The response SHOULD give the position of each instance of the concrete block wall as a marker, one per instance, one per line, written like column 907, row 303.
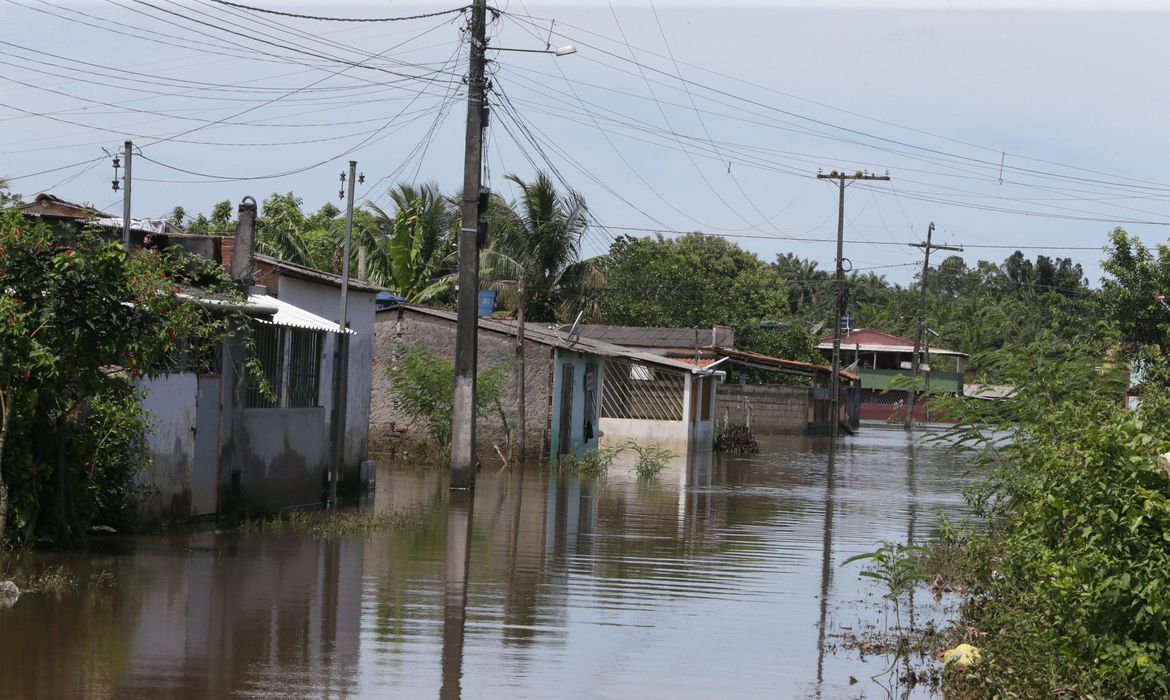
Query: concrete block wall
column 395, row 328
column 776, row 409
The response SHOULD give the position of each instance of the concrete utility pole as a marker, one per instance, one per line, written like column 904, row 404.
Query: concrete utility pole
column 129, row 153
column 521, row 409
column 341, row 348
column 463, row 454
column 835, row 382
column 919, row 358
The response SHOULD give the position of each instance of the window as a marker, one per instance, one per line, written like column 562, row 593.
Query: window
column 267, row 340
column 304, row 367
column 290, row 359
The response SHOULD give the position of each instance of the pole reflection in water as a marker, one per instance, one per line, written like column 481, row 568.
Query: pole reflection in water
column 459, row 509
column 912, row 506
column 826, row 562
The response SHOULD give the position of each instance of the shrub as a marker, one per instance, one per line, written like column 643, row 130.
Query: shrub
column 651, row 460
column 592, row 464
column 422, row 382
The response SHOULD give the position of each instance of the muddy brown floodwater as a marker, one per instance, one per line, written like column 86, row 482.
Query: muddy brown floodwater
column 710, row 582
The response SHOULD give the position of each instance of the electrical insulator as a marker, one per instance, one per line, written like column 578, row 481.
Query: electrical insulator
column 361, row 178
column 115, row 183
column 341, row 194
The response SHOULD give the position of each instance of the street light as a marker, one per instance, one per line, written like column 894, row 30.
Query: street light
column 559, row 51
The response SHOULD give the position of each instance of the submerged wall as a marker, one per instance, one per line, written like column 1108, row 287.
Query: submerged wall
column 771, row 409
column 283, row 456
column 171, row 401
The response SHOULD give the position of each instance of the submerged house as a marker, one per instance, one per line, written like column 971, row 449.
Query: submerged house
column 878, row 357
column 771, row 395
column 217, row 440
column 579, row 393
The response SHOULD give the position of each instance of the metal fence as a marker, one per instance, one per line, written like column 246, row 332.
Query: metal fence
column 642, row 392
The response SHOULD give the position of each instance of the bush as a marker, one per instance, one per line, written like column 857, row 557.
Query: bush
column 423, row 384
column 651, row 460
column 1074, row 561
column 592, row 464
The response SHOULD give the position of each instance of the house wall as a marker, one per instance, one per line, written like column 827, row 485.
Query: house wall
column 283, row 453
column 775, row 409
column 171, row 401
column 671, row 435
column 395, row 327
column 324, row 300
column 580, row 442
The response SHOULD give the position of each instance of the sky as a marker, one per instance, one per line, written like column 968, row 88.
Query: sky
column 1041, row 129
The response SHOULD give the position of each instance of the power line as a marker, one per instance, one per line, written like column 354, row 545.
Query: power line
column 403, row 18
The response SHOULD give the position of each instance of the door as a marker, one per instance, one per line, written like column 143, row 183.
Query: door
column 565, row 443
column 205, row 465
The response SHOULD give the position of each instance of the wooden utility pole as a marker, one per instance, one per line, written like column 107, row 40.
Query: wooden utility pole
column 919, row 358
column 835, row 382
column 463, row 454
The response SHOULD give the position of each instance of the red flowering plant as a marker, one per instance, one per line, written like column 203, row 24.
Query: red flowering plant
column 81, row 318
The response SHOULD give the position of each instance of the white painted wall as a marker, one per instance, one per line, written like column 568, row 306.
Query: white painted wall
column 324, row 300
column 671, row 435
column 171, row 402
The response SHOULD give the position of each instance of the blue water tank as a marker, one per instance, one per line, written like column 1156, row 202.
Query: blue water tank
column 487, row 302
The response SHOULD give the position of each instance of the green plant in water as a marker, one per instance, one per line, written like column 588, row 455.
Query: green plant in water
column 651, row 460
column 592, row 464
column 322, row 524
column 898, row 566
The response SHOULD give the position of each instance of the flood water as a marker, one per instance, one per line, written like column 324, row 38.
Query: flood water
column 538, row 586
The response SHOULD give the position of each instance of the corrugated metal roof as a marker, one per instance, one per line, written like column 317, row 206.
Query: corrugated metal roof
column 292, row 316
column 543, row 335
column 659, row 337
column 872, row 340
column 778, row 362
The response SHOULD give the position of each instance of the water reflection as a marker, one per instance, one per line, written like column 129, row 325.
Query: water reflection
column 826, row 565
column 715, row 580
column 459, row 510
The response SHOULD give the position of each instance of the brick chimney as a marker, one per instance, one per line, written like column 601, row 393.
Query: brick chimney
column 225, row 252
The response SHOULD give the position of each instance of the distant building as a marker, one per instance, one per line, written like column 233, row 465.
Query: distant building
column 759, row 391
column 878, row 357
column 579, row 393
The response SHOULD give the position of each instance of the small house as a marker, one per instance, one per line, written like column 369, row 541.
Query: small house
column 578, row 393
column 878, row 357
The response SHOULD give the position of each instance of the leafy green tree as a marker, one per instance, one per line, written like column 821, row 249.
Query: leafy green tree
column 7, row 197
column 790, row 342
column 284, row 231
column 81, row 319
column 694, row 280
column 1136, row 277
column 220, row 223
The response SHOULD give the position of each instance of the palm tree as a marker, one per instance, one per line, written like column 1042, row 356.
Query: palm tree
column 413, row 248
column 542, row 233
column 806, row 284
